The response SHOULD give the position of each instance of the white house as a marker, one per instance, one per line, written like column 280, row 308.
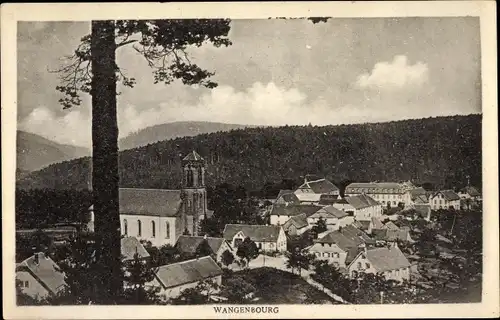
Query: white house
column 172, row 279
column 190, row 245
column 312, row 189
column 267, row 238
column 389, row 261
column 444, row 199
column 40, row 277
column 364, row 207
column 387, row 193
column 333, row 217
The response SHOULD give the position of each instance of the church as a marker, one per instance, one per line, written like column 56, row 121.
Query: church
column 161, row 216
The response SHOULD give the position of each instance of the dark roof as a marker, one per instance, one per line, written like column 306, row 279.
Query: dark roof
column 299, row 221
column 176, row 274
column 293, row 210
column 391, row 235
column 329, row 199
column 329, row 212
column 150, row 202
column 339, row 239
column 414, row 193
column 362, row 224
column 385, row 259
column 288, row 196
column 361, row 201
column 391, row 226
column 320, row 186
column 189, row 244
column 356, row 234
column 130, row 246
column 193, row 156
column 46, row 272
column 258, row 233
column 449, row 195
column 422, row 208
column 471, row 191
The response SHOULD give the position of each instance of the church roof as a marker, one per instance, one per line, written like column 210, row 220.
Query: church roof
column 193, row 156
column 150, row 202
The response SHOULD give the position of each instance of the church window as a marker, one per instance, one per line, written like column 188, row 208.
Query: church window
column 125, row 227
column 153, row 229
column 139, row 227
column 167, row 230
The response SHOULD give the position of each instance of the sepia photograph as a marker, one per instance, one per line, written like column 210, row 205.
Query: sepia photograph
column 249, row 165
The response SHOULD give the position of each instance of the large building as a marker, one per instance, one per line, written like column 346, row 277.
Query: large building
column 445, row 199
column 267, row 238
column 312, row 189
column 387, row 193
column 362, row 206
column 161, row 216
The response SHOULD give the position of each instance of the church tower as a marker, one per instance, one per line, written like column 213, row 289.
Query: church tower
column 194, row 194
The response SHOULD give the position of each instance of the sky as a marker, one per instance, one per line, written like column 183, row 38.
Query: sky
column 276, row 72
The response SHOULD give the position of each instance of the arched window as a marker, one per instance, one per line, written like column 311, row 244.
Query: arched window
column 125, row 227
column 139, row 228
column 167, row 230
column 153, row 229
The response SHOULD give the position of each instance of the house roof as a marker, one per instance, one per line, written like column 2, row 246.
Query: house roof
column 299, row 221
column 308, row 197
column 375, row 187
column 189, row 244
column 361, row 201
column 376, row 223
column 329, row 199
column 46, row 272
column 258, row 233
column 339, row 239
column 391, row 235
column 449, row 195
column 391, row 226
column 150, row 202
column 329, row 212
column 362, row 224
column 414, row 193
column 193, row 156
column 356, row 234
column 472, row 191
column 385, row 259
column 288, row 196
column 420, row 199
column 130, row 246
column 293, row 210
column 320, row 186
column 422, row 208
column 176, row 274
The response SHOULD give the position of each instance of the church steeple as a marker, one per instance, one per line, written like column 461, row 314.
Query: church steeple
column 193, row 171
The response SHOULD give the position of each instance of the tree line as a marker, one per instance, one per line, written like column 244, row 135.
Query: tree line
column 442, row 151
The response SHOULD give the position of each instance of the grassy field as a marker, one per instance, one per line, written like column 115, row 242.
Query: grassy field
column 279, row 287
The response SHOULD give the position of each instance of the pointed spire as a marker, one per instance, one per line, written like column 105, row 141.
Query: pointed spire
column 193, row 156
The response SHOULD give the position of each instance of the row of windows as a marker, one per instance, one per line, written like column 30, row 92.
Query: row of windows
column 360, row 266
column 24, row 284
column 328, row 254
column 153, row 229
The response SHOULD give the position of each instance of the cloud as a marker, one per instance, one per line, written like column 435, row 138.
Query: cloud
column 394, row 75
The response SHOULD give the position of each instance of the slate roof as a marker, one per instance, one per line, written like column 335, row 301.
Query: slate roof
column 449, row 195
column 176, row 274
column 471, row 191
column 320, row 186
column 385, row 259
column 258, row 233
column 375, row 187
column 293, row 210
column 150, row 202
column 329, row 212
column 299, row 221
column 189, row 244
column 361, row 201
column 46, row 272
column 130, row 246
column 193, row 156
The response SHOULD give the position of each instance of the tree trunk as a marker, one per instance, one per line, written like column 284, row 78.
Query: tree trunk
column 105, row 160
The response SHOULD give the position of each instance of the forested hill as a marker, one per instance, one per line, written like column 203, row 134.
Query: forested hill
column 442, row 151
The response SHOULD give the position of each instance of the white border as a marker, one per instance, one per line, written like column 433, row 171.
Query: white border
column 11, row 13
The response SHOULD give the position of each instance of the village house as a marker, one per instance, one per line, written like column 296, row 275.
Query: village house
column 338, row 248
column 333, row 217
column 313, row 187
column 469, row 193
column 390, row 232
column 387, row 193
column 189, row 245
column 364, row 207
column 282, row 213
column 39, row 277
column 369, row 225
column 172, row 279
column 287, row 197
column 161, row 216
column 296, row 225
column 267, row 238
column 444, row 199
column 389, row 261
